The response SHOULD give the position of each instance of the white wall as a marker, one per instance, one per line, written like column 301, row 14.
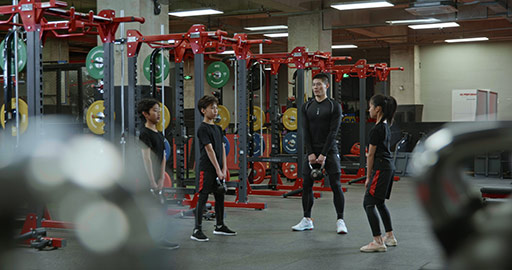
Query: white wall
column 479, row 65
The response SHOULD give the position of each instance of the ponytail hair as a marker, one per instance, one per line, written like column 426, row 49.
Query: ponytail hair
column 388, row 105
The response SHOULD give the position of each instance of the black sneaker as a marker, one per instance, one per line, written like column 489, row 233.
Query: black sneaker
column 198, row 235
column 164, row 244
column 223, row 230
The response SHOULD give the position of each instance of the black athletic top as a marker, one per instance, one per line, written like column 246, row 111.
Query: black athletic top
column 380, row 136
column 321, row 123
column 155, row 141
column 209, row 134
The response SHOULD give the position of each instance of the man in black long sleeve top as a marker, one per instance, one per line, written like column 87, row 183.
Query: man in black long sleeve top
column 322, row 118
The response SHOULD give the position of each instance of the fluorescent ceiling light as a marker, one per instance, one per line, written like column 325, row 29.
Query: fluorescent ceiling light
column 268, row 27
column 466, row 39
column 227, row 52
column 429, row 20
column 434, row 25
column 275, row 35
column 348, row 46
column 197, row 12
column 361, row 5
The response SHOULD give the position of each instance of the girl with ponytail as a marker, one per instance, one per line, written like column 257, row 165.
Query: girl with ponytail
column 379, row 174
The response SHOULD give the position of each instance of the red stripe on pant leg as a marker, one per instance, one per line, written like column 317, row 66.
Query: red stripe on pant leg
column 201, row 180
column 374, row 182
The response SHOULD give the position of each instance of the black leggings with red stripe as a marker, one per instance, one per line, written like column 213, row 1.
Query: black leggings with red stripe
column 369, row 204
column 207, row 185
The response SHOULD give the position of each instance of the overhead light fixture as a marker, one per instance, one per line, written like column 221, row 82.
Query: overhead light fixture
column 466, row 39
column 228, row 52
column 429, row 20
column 196, row 12
column 434, row 25
column 276, row 35
column 268, row 27
column 361, row 5
column 348, row 46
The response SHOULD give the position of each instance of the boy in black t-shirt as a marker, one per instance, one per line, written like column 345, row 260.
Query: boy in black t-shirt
column 379, row 174
column 153, row 156
column 212, row 167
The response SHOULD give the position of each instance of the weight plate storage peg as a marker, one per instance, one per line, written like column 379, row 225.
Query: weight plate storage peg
column 23, row 115
column 290, row 119
column 163, row 115
column 217, row 74
column 223, row 117
column 290, row 143
column 22, row 55
column 259, row 172
column 259, row 118
column 256, row 144
column 290, row 170
column 94, row 62
column 158, row 75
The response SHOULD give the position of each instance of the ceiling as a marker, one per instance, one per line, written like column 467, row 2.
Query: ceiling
column 365, row 28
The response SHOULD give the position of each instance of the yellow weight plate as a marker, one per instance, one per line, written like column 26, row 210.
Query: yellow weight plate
column 258, row 122
column 290, row 119
column 223, row 117
column 23, row 115
column 167, row 117
column 95, row 116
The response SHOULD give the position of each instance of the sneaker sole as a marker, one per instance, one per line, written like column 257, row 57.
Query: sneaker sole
column 200, row 240
column 391, row 244
column 224, row 233
column 374, row 250
column 342, row 232
column 301, row 230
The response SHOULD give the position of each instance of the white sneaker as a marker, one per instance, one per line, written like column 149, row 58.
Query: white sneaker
column 374, row 247
column 390, row 242
column 304, row 224
column 341, row 228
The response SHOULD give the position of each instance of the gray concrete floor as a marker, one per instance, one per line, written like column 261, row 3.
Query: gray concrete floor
column 266, row 241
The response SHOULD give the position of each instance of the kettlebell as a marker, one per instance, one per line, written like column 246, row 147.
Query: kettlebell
column 221, row 186
column 316, row 174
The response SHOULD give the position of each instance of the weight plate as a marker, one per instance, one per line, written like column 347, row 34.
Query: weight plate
column 290, row 143
column 223, row 117
column 290, row 170
column 22, row 55
column 147, row 68
column 23, row 112
column 167, row 117
column 226, row 145
column 290, row 119
column 217, row 74
column 256, row 145
column 94, row 62
column 259, row 172
column 167, row 149
column 258, row 122
column 94, row 117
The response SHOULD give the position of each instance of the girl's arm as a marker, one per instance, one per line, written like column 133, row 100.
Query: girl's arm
column 369, row 163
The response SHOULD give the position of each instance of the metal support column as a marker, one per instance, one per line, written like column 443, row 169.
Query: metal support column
column 35, row 80
column 337, row 95
column 274, row 127
column 242, row 129
column 299, row 83
column 108, row 91
column 179, row 125
column 199, row 93
column 133, row 97
column 362, row 122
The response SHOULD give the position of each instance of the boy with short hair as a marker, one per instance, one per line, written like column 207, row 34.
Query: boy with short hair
column 212, row 166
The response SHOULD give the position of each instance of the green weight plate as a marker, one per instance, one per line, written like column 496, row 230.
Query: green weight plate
column 94, row 62
column 22, row 55
column 217, row 74
column 158, row 78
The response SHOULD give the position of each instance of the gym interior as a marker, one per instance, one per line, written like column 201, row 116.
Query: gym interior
column 70, row 156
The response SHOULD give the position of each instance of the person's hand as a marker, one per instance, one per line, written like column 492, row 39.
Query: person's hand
column 160, row 184
column 225, row 172
column 321, row 159
column 366, row 182
column 154, row 186
column 220, row 175
column 312, row 158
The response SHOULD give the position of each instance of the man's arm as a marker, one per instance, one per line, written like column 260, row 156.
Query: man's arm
column 307, row 136
column 146, row 157
column 333, row 129
column 211, row 155
column 224, row 161
column 161, row 180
